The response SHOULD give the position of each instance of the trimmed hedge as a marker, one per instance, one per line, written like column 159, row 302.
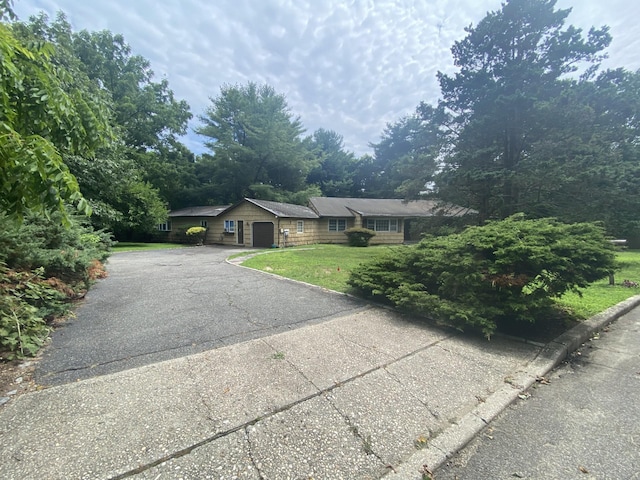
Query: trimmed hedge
column 359, row 237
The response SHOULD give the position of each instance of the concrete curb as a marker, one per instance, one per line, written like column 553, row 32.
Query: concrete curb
column 456, row 437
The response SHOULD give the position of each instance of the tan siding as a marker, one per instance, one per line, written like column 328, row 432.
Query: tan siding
column 325, row 236
column 387, row 238
column 248, row 213
column 181, row 224
column 307, row 237
column 315, row 230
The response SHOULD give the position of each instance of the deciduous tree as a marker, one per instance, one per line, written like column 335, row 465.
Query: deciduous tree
column 42, row 116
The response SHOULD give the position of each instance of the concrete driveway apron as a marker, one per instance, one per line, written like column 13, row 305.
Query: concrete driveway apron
column 166, row 304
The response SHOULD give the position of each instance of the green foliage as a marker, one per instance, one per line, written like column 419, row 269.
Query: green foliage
column 359, row 237
column 196, row 234
column 405, row 158
column 256, row 143
column 510, row 89
column 67, row 253
column 502, row 272
column 40, row 117
column 43, row 266
column 335, row 167
column 27, row 303
column 132, row 178
column 146, row 111
column 193, row 231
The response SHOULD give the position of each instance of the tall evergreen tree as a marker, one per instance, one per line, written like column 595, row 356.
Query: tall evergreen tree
column 335, row 169
column 256, row 144
column 510, row 66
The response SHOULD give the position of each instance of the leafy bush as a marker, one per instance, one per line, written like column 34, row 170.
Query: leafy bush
column 359, row 237
column 44, row 265
column 27, row 303
column 506, row 271
column 196, row 234
column 65, row 252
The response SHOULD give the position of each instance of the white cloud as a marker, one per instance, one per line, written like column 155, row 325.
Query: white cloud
column 346, row 66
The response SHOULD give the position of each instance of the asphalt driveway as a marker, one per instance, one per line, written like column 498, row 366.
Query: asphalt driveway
column 166, row 304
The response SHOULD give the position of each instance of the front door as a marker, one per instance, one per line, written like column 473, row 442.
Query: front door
column 240, row 232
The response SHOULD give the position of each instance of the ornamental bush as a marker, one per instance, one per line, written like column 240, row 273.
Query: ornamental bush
column 196, row 234
column 65, row 252
column 44, row 266
column 505, row 271
column 359, row 237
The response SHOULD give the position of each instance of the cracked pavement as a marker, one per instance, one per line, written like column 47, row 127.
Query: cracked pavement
column 580, row 422
column 166, row 304
column 331, row 389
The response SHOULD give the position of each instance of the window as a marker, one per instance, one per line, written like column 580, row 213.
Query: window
column 165, row 227
column 203, row 223
column 382, row 224
column 337, row 224
column 229, row 226
column 300, row 226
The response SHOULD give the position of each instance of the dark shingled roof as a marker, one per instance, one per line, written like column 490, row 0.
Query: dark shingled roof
column 284, row 210
column 338, row 207
column 198, row 211
column 383, row 207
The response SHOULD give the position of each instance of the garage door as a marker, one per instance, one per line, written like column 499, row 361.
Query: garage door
column 262, row 234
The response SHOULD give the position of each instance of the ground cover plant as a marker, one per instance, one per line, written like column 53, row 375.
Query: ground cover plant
column 289, row 263
column 330, row 265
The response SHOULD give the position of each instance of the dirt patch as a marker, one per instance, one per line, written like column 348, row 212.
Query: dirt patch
column 16, row 378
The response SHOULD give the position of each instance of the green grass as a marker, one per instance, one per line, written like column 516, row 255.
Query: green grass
column 600, row 295
column 137, row 247
column 324, row 265
column 329, row 266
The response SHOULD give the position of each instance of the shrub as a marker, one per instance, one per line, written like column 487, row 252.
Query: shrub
column 506, row 271
column 359, row 237
column 43, row 266
column 196, row 234
column 27, row 303
column 65, row 252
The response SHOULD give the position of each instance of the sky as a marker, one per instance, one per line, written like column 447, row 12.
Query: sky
column 351, row 66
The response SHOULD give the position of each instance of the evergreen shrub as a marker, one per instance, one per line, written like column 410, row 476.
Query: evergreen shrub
column 504, row 271
column 359, row 237
column 44, row 265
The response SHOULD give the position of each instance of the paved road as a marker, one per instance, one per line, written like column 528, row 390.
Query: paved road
column 170, row 303
column 585, row 424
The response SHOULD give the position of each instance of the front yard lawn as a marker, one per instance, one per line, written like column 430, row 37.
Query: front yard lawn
column 329, row 266
column 323, row 265
column 600, row 295
column 138, row 246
